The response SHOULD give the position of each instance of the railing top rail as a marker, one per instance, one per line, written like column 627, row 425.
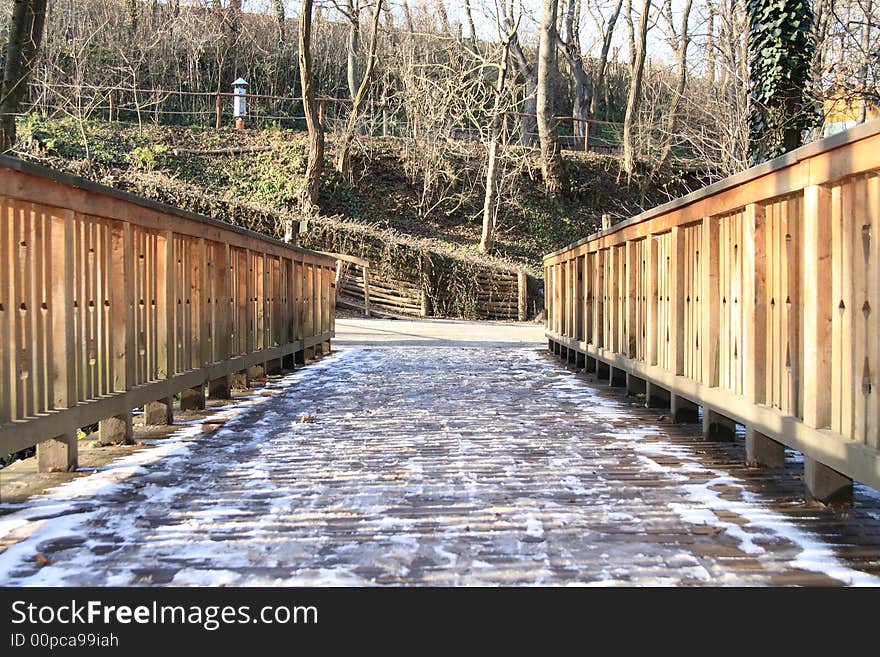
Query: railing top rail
column 29, row 168
column 858, row 133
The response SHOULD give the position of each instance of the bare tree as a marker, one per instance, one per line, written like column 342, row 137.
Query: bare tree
column 25, row 35
column 679, row 41
column 635, row 90
column 606, row 29
column 580, row 79
column 490, row 205
column 278, row 8
column 552, row 166
column 343, row 158
column 351, row 9
column 310, row 105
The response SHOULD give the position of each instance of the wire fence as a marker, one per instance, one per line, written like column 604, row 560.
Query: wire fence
column 215, row 109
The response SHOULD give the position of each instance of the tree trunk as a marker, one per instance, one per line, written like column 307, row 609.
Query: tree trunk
column 444, row 17
column 310, row 105
column 580, row 81
column 343, row 159
column 865, row 67
column 602, row 64
column 354, row 44
column 472, row 31
column 490, row 199
column 528, row 124
column 278, row 6
column 25, row 35
column 672, row 111
column 635, row 91
column 711, row 59
column 552, row 166
column 408, row 18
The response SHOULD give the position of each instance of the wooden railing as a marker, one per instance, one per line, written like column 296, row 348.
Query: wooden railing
column 111, row 302
column 756, row 298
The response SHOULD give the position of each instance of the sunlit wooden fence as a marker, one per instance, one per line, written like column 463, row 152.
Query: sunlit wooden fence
column 111, row 302
column 756, row 298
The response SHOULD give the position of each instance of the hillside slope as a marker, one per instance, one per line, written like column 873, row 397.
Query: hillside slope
column 432, row 192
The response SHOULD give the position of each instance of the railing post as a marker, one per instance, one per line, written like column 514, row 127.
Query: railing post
column 709, row 302
column 522, row 296
column 676, row 328
column 632, row 298
column 599, row 298
column 571, row 296
column 754, row 304
column 194, row 398
column 161, row 411
column 218, row 110
column 614, row 299
column 118, row 428
column 220, row 388
column 60, row 452
column 817, row 305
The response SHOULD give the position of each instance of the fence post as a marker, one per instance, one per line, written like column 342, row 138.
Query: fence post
column 586, row 136
column 161, row 411
column 111, row 100
column 366, row 273
column 522, row 306
column 60, row 452
column 754, row 303
column 817, row 305
column 218, row 107
column 118, row 428
column 676, row 328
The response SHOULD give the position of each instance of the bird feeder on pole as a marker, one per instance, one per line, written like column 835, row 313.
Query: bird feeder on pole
column 239, row 102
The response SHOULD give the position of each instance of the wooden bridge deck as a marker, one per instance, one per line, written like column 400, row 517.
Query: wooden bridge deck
column 442, row 461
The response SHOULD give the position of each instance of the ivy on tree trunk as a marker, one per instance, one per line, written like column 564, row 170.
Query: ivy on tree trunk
column 781, row 49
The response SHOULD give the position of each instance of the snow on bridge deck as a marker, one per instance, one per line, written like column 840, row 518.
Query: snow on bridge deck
column 443, row 453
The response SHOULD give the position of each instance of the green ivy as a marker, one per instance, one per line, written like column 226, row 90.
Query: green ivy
column 781, row 47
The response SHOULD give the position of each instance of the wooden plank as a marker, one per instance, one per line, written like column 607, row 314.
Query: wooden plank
column 676, row 327
column 651, row 319
column 818, row 304
column 711, row 301
column 61, row 311
column 121, row 302
column 861, row 259
column 165, row 305
column 250, row 305
column 631, row 298
column 202, row 269
column 299, row 278
column 847, row 308
column 791, row 247
column 40, row 295
column 872, row 221
column 6, row 313
column 20, row 347
column 522, row 296
column 754, row 308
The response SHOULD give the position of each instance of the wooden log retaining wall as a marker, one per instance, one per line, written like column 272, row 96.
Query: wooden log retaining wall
column 111, row 302
column 756, row 298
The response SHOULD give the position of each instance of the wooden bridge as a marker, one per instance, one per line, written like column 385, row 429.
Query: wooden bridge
column 439, row 452
column 752, row 302
column 110, row 302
